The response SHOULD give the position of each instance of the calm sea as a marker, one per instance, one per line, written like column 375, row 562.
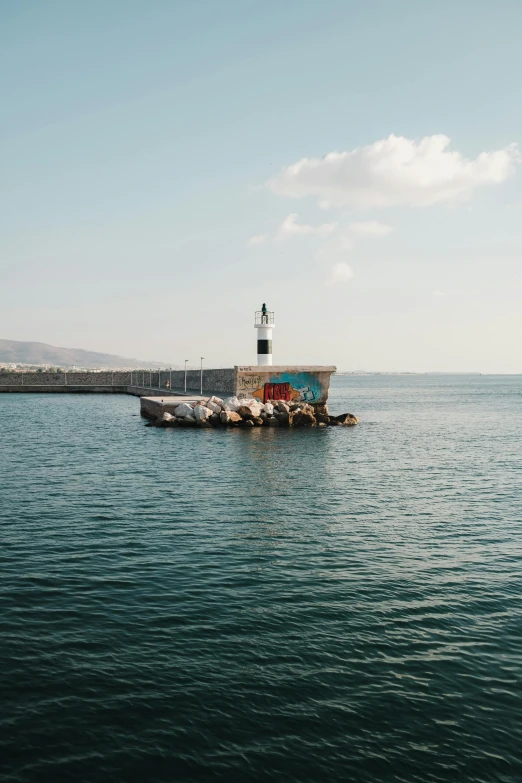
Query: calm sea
column 264, row 605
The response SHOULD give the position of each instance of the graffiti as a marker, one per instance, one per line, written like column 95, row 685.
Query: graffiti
column 276, row 391
column 284, row 392
column 250, row 382
column 287, row 386
column 306, row 394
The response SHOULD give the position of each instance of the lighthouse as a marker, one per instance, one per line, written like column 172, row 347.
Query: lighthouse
column 264, row 323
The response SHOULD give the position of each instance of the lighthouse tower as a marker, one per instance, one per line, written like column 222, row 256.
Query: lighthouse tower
column 264, row 324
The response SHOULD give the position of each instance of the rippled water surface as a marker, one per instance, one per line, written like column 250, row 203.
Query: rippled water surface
column 264, row 605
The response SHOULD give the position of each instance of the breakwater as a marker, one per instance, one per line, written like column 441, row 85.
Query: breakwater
column 286, row 383
column 239, row 412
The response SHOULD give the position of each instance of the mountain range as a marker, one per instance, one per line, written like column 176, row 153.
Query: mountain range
column 17, row 352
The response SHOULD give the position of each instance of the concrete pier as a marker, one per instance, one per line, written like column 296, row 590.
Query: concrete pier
column 306, row 383
column 136, row 391
column 135, row 382
column 154, row 407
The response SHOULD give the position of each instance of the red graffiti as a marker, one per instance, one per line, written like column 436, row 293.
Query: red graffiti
column 276, row 391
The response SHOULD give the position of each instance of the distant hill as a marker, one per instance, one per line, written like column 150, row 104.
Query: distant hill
column 16, row 352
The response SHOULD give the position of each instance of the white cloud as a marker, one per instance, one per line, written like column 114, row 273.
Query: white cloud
column 340, row 273
column 361, row 229
column 394, row 171
column 369, row 228
column 258, row 239
column 290, row 227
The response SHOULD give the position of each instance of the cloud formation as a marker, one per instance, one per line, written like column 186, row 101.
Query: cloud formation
column 258, row 239
column 394, row 171
column 290, row 227
column 361, row 229
column 369, row 228
column 340, row 273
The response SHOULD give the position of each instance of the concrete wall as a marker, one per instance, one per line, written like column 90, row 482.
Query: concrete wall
column 307, row 383
column 219, row 381
column 116, row 378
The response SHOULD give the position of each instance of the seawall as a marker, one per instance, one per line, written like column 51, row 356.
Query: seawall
column 137, row 382
column 288, row 383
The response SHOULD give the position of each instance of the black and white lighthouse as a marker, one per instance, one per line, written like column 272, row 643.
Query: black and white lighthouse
column 264, row 324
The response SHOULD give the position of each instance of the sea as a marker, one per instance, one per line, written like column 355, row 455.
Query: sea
column 257, row 605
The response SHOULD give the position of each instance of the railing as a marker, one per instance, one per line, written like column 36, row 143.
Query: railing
column 264, row 318
column 161, row 380
column 151, row 379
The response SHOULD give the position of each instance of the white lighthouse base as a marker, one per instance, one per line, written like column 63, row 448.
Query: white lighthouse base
column 264, row 334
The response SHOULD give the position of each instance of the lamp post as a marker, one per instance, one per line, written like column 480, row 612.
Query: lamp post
column 201, row 386
column 186, row 360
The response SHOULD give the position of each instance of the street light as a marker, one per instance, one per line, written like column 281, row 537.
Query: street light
column 201, row 391
column 186, row 360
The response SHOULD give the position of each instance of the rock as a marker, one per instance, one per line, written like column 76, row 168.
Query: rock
column 283, row 419
column 249, row 401
column 322, row 418
column 348, row 419
column 202, row 413
column 204, row 423
column 172, row 422
column 333, row 422
column 214, row 420
column 246, row 423
column 232, row 404
column 187, row 421
column 166, row 418
column 253, row 405
column 182, row 410
column 215, row 404
column 272, row 422
column 263, row 415
column 321, row 424
column 282, row 407
column 258, row 421
column 268, row 408
column 229, row 417
column 294, row 408
column 301, row 419
column 308, row 408
column 321, row 408
column 245, row 412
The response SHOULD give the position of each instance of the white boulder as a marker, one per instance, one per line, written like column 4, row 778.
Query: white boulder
column 255, row 406
column 202, row 413
column 216, row 401
column 182, row 410
column 232, row 404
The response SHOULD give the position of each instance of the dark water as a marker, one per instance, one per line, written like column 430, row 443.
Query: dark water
column 264, row 605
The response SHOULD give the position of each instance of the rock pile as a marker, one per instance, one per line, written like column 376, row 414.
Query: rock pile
column 253, row 413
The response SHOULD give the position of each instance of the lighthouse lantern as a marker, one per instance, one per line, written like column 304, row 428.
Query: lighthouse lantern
column 264, row 323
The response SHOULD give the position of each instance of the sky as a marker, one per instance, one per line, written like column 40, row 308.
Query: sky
column 169, row 166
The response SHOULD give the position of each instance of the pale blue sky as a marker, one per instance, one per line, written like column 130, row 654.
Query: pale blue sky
column 138, row 138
